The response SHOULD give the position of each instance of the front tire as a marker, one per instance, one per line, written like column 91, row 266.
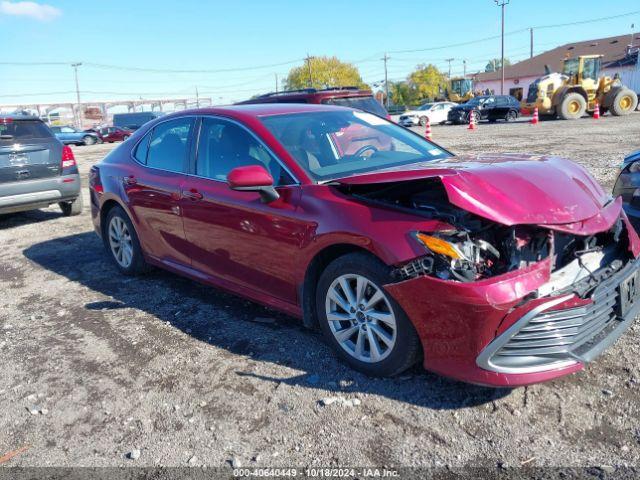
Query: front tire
column 73, row 208
column 363, row 324
column 573, row 106
column 121, row 241
column 422, row 121
column 88, row 140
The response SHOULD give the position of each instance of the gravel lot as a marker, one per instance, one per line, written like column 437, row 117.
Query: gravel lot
column 96, row 365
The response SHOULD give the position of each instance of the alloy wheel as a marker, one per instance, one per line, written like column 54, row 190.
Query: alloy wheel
column 120, row 242
column 361, row 318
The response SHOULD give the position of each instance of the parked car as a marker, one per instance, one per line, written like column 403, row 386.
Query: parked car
column 494, row 269
column 627, row 186
column 436, row 112
column 351, row 97
column 114, row 134
column 133, row 121
column 487, row 107
column 36, row 169
column 71, row 136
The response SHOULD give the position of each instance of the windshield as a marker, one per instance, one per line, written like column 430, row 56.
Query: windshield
column 571, row 66
column 367, row 104
column 476, row 101
column 330, row 145
column 17, row 131
column 426, row 106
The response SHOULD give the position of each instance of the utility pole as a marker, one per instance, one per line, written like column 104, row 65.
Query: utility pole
column 276, row 82
column 531, row 43
column 78, row 112
column 449, row 60
column 197, row 98
column 464, row 68
column 501, row 4
column 308, row 60
column 385, row 59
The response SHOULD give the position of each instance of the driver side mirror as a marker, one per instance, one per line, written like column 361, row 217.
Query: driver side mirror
column 253, row 178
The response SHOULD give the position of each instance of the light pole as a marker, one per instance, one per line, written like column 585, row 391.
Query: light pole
column 78, row 113
column 449, row 60
column 501, row 4
column 385, row 59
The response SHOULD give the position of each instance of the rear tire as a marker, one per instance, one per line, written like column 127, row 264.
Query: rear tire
column 372, row 336
column 573, row 106
column 624, row 102
column 73, row 208
column 422, row 121
column 122, row 244
column 511, row 116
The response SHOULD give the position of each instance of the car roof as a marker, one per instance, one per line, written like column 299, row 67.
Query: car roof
column 307, row 93
column 254, row 110
column 17, row 116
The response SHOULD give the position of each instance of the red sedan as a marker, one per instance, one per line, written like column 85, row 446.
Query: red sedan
column 114, row 134
column 493, row 269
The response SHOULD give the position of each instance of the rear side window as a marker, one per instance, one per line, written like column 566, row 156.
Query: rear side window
column 169, row 145
column 367, row 104
column 18, row 131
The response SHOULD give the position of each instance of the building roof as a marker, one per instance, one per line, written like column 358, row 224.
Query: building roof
column 613, row 49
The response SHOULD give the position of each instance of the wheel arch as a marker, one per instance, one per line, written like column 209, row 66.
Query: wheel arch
column 561, row 93
column 314, row 269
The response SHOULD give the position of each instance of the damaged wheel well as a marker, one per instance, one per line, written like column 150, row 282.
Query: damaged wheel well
column 317, row 265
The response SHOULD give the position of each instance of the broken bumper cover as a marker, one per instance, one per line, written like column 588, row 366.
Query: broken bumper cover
column 558, row 334
column 485, row 332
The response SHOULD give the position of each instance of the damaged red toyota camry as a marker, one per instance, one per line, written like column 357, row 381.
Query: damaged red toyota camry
column 498, row 270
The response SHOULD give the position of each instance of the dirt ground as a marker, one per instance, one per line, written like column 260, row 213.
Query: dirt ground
column 96, row 366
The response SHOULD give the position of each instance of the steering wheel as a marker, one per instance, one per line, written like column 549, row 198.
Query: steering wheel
column 361, row 150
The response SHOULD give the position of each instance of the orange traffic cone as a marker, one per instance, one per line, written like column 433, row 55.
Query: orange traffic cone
column 472, row 121
column 427, row 132
column 535, row 119
column 596, row 112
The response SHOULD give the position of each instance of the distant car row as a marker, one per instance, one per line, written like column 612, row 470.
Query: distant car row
column 487, row 107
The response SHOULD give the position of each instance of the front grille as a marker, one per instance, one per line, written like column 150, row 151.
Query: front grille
column 554, row 338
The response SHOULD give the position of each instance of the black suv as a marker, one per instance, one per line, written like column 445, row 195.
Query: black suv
column 36, row 169
column 486, row 107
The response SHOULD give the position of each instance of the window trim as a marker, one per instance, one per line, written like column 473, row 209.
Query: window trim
column 194, row 158
column 149, row 133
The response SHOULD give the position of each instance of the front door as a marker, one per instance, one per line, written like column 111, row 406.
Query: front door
column 154, row 190
column 234, row 237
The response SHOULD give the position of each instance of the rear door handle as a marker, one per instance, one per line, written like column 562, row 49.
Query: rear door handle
column 192, row 194
column 130, row 180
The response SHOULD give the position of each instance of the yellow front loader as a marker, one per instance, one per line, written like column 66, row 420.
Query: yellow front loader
column 575, row 91
column 459, row 90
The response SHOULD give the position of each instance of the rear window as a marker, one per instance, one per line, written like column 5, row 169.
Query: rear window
column 18, row 131
column 367, row 104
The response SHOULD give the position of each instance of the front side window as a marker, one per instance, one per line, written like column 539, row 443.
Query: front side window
column 169, row 145
column 68, row 130
column 336, row 144
column 224, row 146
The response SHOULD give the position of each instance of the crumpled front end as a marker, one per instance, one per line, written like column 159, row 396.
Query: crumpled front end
column 533, row 323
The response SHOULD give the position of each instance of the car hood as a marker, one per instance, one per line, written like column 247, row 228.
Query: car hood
column 511, row 189
column 464, row 107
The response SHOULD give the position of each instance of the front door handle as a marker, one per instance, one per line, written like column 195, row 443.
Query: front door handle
column 192, row 194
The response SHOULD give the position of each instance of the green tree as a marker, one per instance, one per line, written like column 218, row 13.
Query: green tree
column 495, row 64
column 427, row 82
column 325, row 72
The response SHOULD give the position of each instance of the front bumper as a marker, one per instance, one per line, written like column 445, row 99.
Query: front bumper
column 409, row 121
column 33, row 194
column 458, row 116
column 467, row 329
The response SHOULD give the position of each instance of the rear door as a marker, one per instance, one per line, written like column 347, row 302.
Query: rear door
column 153, row 189
column 28, row 151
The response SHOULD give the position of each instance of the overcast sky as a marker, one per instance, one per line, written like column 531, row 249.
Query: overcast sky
column 266, row 38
